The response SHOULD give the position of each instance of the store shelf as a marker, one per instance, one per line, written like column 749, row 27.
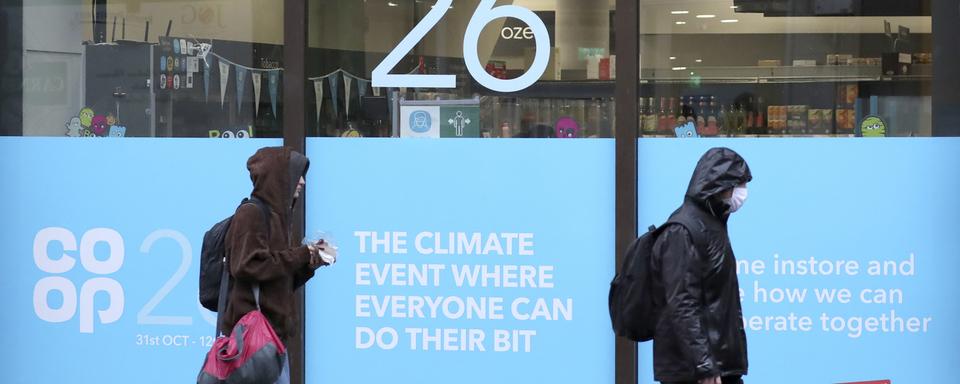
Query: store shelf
column 589, row 89
column 779, row 75
column 575, row 89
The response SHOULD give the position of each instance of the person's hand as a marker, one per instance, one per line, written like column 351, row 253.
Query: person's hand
column 315, row 260
column 710, row 380
column 321, row 254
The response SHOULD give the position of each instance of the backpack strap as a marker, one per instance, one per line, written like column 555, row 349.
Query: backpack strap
column 225, row 275
column 696, row 234
column 263, row 208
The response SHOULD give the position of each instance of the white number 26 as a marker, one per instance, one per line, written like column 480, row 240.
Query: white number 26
column 486, row 13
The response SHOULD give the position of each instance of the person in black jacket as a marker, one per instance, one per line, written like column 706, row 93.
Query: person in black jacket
column 699, row 336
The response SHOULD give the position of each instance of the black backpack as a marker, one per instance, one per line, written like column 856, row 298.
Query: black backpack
column 214, row 272
column 633, row 313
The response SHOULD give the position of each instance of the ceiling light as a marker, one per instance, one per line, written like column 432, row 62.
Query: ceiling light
column 729, row 21
column 391, row 4
column 679, row 68
column 679, row 12
column 734, row 6
column 681, row 22
column 699, row 60
column 706, row 16
column 673, row 57
column 691, row 73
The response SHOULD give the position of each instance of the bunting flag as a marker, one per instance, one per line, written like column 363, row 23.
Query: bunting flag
column 318, row 91
column 362, row 87
column 224, row 75
column 241, row 83
column 334, row 86
column 347, row 87
column 273, row 83
column 206, row 81
column 391, row 98
column 376, row 91
column 256, row 92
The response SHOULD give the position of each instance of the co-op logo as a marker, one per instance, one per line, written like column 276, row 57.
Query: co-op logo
column 72, row 304
column 81, row 301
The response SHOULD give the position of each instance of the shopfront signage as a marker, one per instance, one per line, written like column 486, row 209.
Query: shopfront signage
column 485, row 14
column 517, row 33
column 459, row 255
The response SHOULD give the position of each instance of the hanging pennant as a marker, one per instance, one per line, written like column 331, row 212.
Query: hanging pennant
column 347, row 89
column 241, row 82
column 318, row 91
column 206, row 80
column 256, row 92
column 224, row 75
column 334, row 85
column 391, row 98
column 273, row 83
column 362, row 88
column 376, row 91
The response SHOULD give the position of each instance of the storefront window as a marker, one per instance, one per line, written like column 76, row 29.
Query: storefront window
column 746, row 68
column 133, row 68
column 573, row 98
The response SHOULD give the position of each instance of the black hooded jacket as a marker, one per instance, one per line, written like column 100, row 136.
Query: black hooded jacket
column 700, row 330
column 273, row 262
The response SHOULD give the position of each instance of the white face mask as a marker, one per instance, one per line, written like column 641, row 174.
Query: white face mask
column 737, row 199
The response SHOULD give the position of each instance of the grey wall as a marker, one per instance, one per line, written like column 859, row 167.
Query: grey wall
column 52, row 65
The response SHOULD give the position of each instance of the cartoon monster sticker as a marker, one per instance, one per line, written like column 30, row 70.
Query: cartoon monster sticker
column 99, row 126
column 351, row 133
column 86, row 117
column 687, row 130
column 111, row 120
column 873, row 126
column 118, row 131
column 73, row 127
column 242, row 133
column 567, row 128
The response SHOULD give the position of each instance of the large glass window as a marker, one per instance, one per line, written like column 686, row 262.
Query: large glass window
column 752, row 68
column 348, row 40
column 139, row 68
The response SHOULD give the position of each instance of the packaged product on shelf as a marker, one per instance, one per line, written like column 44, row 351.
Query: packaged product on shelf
column 769, row 63
column 606, row 68
column 814, row 121
column 846, row 119
column 797, row 118
column 826, row 116
column 852, row 93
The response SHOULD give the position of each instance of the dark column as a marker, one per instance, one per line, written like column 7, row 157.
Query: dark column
column 627, row 36
column 11, row 68
column 946, row 67
column 294, row 131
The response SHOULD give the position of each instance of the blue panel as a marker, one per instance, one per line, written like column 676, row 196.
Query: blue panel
column 121, row 312
column 560, row 192
column 836, row 200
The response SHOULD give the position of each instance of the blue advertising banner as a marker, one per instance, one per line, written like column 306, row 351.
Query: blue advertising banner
column 847, row 254
column 101, row 242
column 468, row 261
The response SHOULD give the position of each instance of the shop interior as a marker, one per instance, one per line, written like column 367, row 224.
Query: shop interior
column 743, row 68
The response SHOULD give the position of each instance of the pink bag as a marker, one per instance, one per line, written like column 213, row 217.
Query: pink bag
column 252, row 354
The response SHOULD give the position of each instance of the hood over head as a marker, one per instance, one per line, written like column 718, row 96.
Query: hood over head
column 719, row 170
column 275, row 172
